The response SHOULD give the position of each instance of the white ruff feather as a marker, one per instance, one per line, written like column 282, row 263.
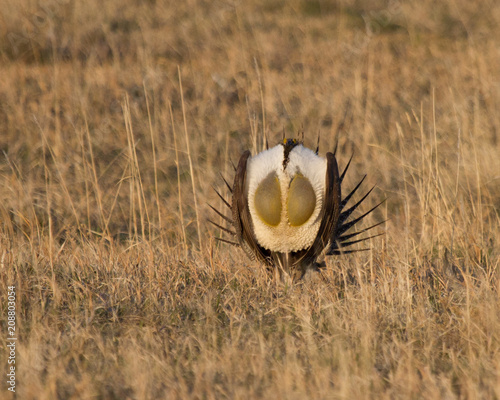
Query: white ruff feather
column 285, row 238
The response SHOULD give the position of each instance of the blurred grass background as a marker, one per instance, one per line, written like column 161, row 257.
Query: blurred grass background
column 115, row 121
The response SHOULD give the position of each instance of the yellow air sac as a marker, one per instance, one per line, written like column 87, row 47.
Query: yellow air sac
column 301, row 201
column 268, row 200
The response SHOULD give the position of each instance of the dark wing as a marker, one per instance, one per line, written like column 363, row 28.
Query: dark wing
column 242, row 221
column 332, row 203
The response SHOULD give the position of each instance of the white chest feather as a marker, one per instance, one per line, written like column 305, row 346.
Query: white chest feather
column 285, row 203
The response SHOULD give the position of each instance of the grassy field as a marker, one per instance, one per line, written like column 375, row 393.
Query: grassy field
column 115, row 121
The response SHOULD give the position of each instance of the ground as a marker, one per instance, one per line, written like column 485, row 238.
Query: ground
column 116, row 119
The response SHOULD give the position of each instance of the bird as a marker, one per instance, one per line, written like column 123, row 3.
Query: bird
column 287, row 208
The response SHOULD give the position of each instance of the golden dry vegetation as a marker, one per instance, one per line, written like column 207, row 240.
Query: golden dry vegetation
column 116, row 118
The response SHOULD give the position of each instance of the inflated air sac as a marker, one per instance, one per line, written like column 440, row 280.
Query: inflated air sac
column 267, row 200
column 301, row 200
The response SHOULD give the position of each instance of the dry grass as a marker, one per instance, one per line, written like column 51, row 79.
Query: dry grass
column 106, row 168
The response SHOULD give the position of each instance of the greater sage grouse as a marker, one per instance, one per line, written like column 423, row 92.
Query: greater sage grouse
column 287, row 208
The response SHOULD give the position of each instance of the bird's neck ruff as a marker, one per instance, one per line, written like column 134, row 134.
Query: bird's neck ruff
column 284, row 236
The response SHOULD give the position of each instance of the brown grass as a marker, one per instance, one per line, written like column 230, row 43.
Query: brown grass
column 103, row 209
